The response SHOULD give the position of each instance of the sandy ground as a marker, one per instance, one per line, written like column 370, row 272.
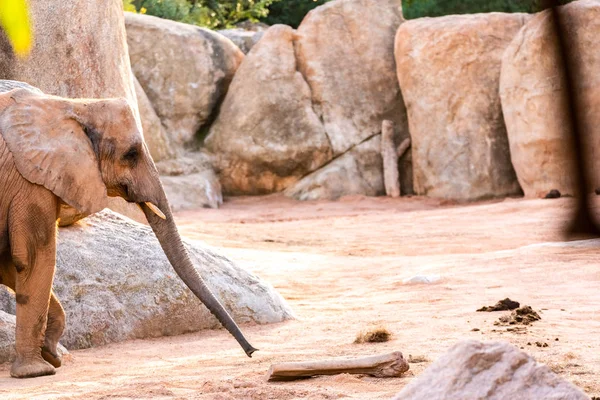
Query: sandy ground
column 341, row 266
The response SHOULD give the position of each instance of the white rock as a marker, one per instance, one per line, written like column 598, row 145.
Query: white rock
column 421, row 279
column 488, row 371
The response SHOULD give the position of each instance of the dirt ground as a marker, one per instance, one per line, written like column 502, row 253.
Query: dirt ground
column 341, row 266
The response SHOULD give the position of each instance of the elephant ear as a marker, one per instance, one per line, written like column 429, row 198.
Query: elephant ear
column 50, row 148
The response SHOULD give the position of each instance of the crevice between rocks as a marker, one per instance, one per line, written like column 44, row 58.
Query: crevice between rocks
column 312, row 102
column 341, row 154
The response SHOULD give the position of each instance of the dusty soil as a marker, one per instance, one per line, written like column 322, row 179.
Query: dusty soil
column 341, row 266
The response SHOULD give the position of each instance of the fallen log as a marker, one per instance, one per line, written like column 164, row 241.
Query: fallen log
column 380, row 366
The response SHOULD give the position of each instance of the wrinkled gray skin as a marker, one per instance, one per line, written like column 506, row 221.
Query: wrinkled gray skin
column 137, row 182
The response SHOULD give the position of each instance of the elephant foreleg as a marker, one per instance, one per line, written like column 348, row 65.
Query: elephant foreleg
column 32, row 232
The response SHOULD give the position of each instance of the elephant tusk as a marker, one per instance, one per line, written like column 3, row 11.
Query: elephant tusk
column 155, row 210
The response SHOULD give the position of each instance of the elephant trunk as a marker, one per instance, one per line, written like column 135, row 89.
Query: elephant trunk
column 168, row 236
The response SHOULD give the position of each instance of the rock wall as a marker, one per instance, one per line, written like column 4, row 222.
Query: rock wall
column 449, row 72
column 317, row 93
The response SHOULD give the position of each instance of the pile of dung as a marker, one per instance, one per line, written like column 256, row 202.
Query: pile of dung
column 521, row 316
column 502, row 305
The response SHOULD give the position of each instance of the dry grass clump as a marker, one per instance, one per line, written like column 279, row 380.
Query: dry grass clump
column 377, row 334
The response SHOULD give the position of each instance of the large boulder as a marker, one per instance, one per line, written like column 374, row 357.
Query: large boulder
column 449, row 72
column 345, row 51
column 115, row 284
column 535, row 99
column 491, row 371
column 185, row 71
column 80, row 50
column 357, row 171
column 155, row 136
column 267, row 136
column 535, row 108
column 190, row 182
column 582, row 20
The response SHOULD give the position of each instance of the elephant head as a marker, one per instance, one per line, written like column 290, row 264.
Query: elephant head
column 85, row 150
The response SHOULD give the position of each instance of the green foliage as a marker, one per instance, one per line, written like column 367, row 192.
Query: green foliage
column 176, row 10
column 291, row 12
column 435, row 8
column 226, row 13
column 214, row 14
column 129, row 6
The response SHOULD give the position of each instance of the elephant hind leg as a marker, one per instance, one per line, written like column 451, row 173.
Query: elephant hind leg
column 56, row 315
column 54, row 330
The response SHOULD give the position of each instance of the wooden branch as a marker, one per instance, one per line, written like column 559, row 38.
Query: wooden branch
column 403, row 147
column 380, row 366
column 391, row 177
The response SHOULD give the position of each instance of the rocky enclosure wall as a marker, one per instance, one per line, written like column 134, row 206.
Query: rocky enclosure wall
column 304, row 102
column 481, row 96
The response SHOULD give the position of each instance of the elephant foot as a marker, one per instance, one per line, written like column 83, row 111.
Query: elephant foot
column 31, row 368
column 53, row 357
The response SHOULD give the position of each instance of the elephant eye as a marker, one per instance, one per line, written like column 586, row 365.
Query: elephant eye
column 132, row 155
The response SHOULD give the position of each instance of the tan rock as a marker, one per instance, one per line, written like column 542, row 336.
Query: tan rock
column 79, row 50
column 449, row 72
column 345, row 52
column 583, row 27
column 356, row 172
column 490, row 371
column 535, row 108
column 155, row 136
column 184, row 70
column 267, row 136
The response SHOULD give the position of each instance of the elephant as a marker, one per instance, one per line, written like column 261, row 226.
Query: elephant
column 56, row 151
